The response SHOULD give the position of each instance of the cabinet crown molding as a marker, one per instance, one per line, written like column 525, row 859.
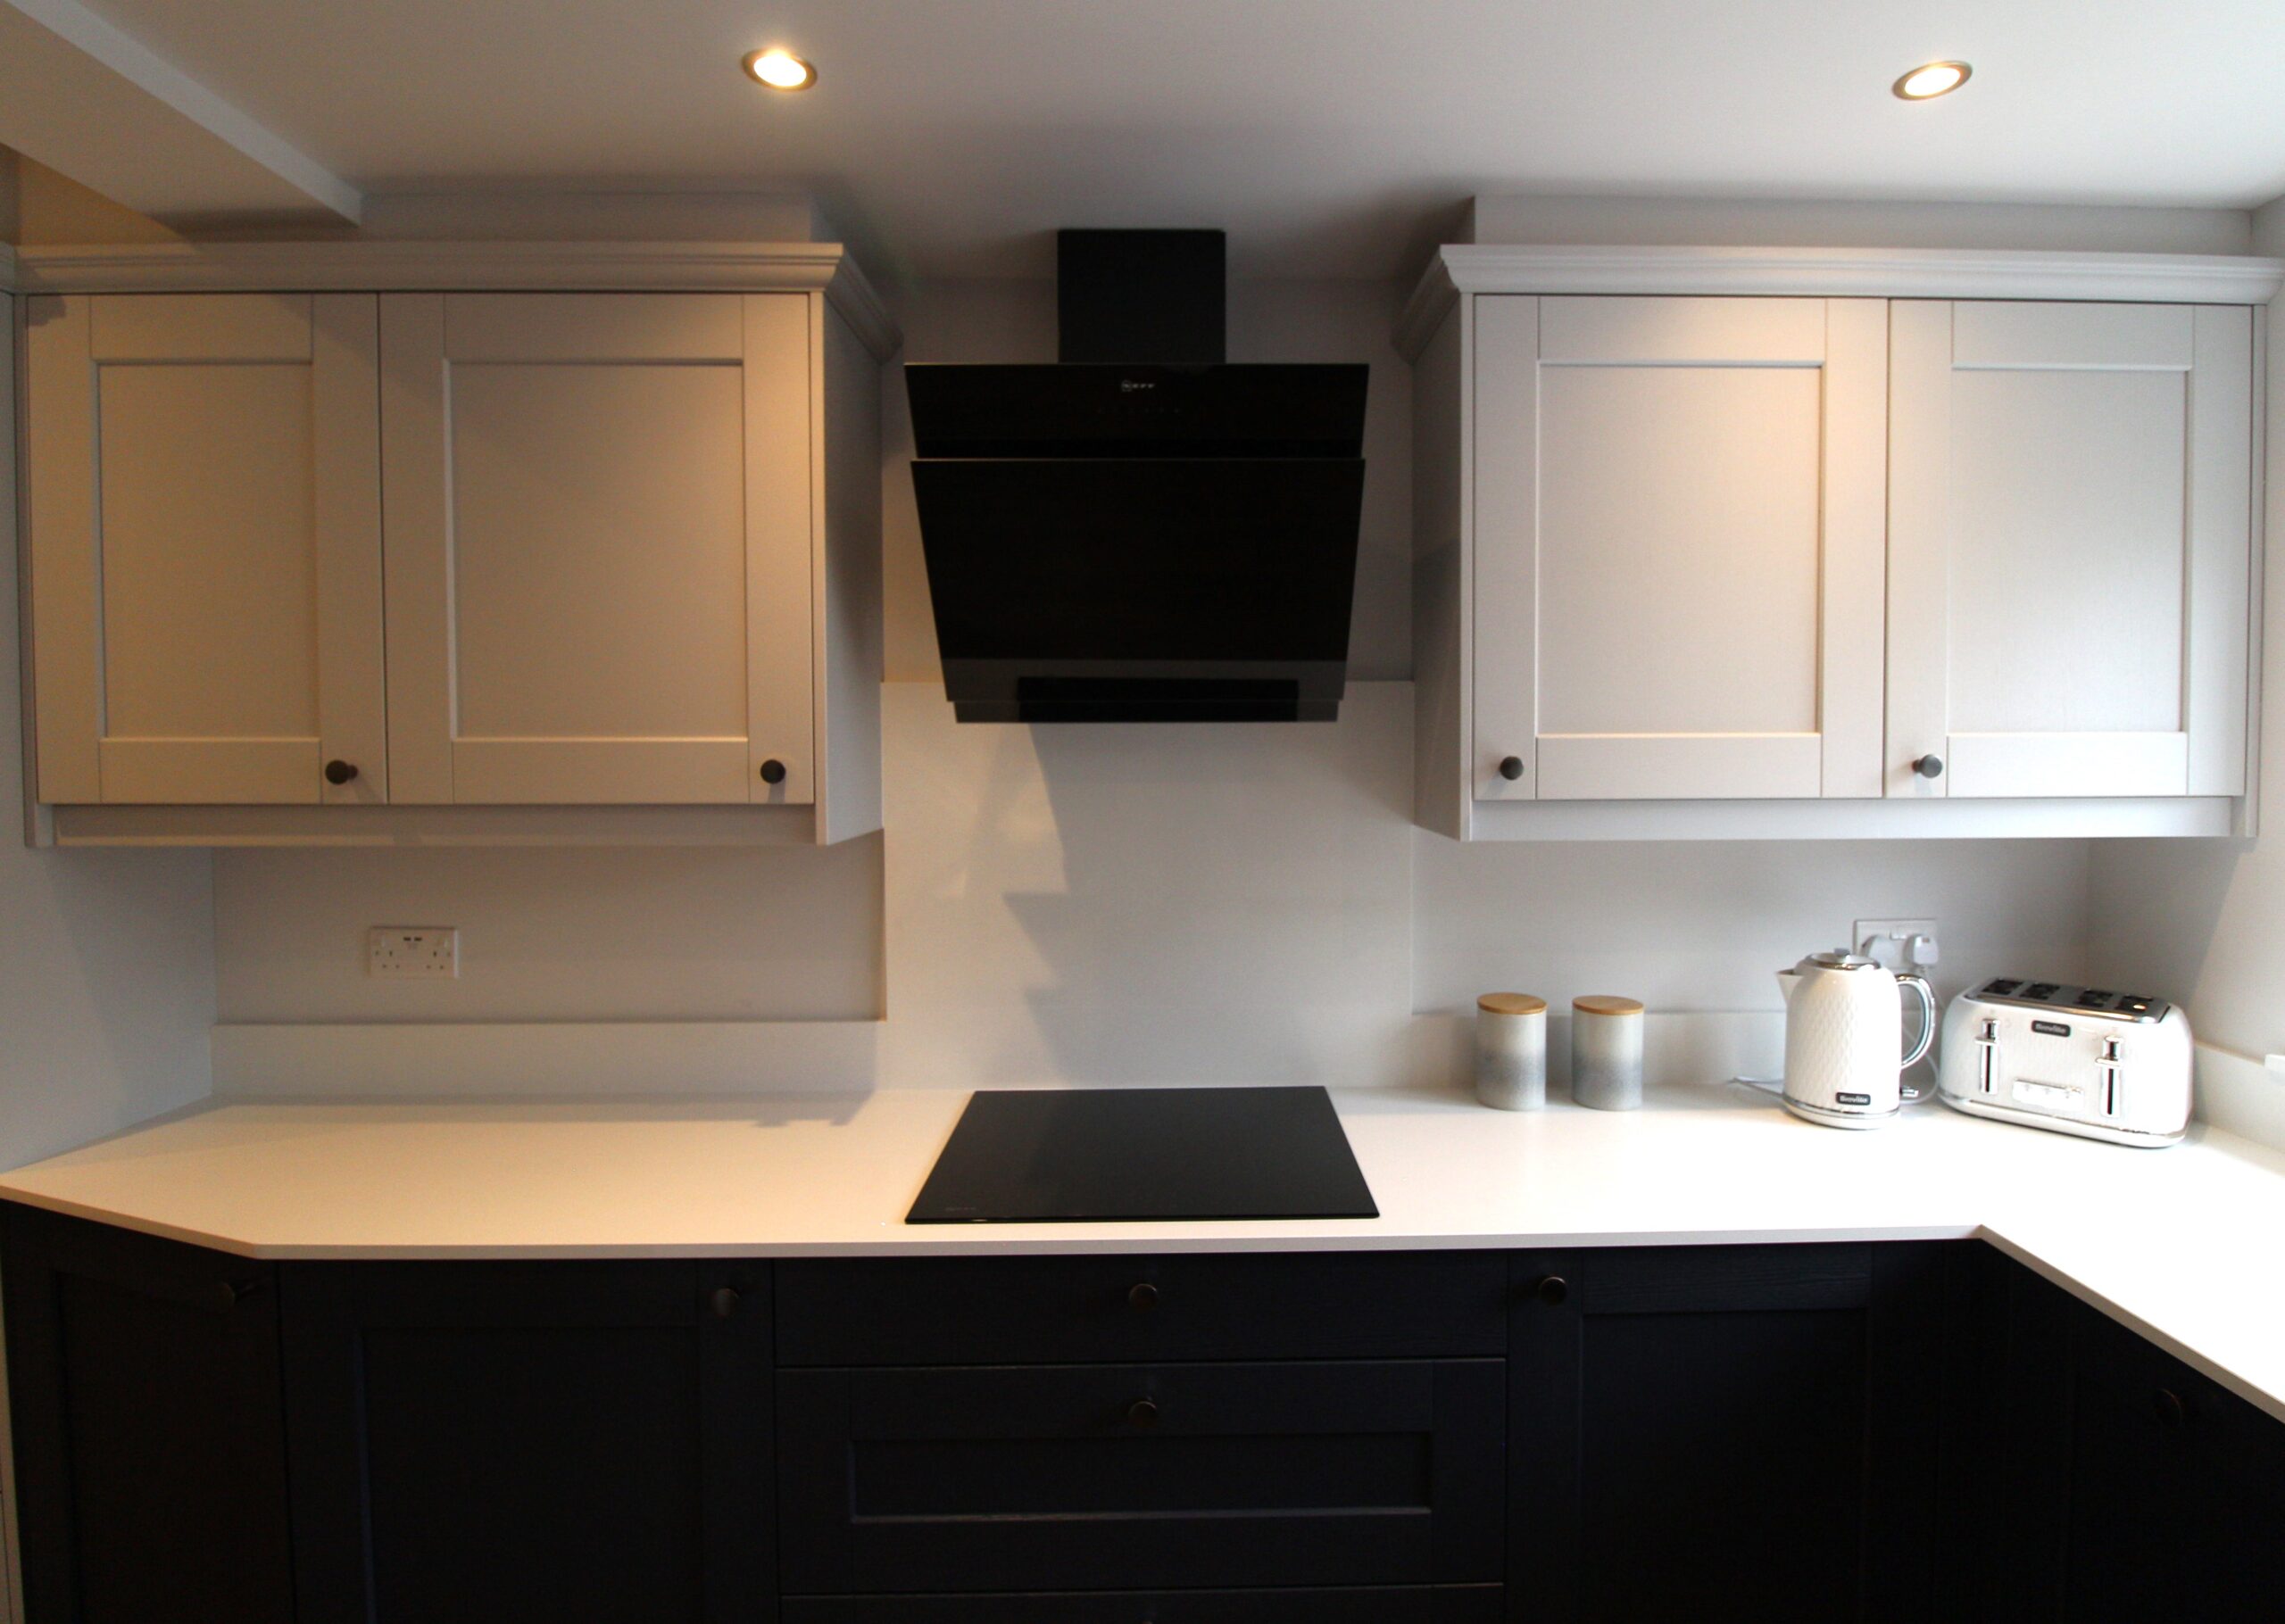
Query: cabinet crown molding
column 413, row 267
column 7, row 269
column 1867, row 273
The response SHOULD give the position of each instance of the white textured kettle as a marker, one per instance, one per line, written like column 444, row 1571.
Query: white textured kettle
column 1844, row 1029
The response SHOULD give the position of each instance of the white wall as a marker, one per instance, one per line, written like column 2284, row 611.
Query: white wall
column 767, row 933
column 2204, row 921
column 106, row 958
column 1134, row 904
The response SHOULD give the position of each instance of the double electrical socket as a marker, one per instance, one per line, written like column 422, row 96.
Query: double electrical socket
column 413, row 952
column 1900, row 944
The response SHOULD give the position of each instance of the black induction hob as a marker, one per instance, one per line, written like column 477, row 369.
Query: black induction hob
column 1075, row 1155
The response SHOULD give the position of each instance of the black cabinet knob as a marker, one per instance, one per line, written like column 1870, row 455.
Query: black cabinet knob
column 1552, row 1289
column 1928, row 766
column 1511, row 768
column 1144, row 1297
column 724, row 1302
column 2171, row 1410
column 1142, row 1414
column 773, row 771
column 229, row 1294
column 337, row 771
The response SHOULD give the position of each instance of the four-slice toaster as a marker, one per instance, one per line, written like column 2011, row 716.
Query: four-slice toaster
column 2109, row 1065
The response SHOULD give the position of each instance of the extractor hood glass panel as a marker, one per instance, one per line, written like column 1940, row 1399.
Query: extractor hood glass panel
column 1121, row 559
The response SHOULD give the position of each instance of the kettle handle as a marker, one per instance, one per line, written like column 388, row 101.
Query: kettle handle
column 1917, row 985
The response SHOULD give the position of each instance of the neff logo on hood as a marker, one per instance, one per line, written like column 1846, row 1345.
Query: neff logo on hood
column 1129, row 386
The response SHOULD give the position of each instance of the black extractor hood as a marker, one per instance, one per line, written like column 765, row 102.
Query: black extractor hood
column 1142, row 533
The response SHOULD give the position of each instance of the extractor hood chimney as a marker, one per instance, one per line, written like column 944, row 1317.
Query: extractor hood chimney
column 1142, row 533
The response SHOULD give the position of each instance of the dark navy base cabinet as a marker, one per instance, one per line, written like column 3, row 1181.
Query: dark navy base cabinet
column 584, row 1441
column 150, row 1442
column 2160, row 1494
column 1586, row 1436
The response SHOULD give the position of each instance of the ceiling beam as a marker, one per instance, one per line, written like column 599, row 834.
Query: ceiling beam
column 94, row 102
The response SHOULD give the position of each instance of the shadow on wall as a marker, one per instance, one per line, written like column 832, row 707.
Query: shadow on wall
column 1150, row 903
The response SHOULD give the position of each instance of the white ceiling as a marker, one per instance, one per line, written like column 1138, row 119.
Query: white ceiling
column 1330, row 136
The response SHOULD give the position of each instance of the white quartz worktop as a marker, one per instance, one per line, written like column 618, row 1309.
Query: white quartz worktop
column 2172, row 1242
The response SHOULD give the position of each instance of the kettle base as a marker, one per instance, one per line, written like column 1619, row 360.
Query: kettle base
column 1825, row 1118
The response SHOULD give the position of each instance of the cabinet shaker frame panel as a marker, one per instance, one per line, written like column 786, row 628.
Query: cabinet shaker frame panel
column 699, row 691
column 1678, row 554
column 204, row 493
column 2070, row 502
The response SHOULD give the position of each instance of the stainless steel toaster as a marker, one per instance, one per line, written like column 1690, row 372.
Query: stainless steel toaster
column 2085, row 1060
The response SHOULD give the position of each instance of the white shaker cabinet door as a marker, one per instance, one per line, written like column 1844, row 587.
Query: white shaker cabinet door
column 2069, row 549
column 599, row 524
column 1677, row 547
column 205, row 548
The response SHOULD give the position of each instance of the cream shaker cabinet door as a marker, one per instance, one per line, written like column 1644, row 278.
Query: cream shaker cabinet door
column 599, row 520
column 205, row 543
column 2069, row 549
column 1677, row 547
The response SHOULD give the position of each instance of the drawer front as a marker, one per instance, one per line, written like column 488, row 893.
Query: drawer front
column 1007, row 1310
column 1376, row 1604
column 1135, row 1477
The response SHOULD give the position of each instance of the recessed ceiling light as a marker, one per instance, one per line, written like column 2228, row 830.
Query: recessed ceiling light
column 781, row 70
column 1925, row 83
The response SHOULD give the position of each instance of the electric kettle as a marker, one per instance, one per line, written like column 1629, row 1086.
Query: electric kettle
column 1844, row 1028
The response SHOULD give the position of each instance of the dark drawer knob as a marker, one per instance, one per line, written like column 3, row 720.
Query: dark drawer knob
column 1511, row 768
column 2171, row 1410
column 231, row 1293
column 340, row 772
column 1143, row 1415
column 1928, row 766
column 773, row 771
column 725, row 1302
column 1143, row 1297
column 1552, row 1289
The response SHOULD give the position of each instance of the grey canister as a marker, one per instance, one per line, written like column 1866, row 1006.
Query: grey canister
column 1511, row 1051
column 1607, row 1052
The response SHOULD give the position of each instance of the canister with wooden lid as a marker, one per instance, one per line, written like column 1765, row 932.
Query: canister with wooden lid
column 1607, row 1052
column 1511, row 1051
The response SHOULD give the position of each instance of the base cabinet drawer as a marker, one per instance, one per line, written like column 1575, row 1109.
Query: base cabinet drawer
column 1122, row 1477
column 1375, row 1604
column 936, row 1310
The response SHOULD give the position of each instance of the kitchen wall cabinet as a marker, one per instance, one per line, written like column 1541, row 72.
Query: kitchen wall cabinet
column 205, row 534
column 2070, row 564
column 1711, row 543
column 1678, row 563
column 625, row 545
column 1726, row 1432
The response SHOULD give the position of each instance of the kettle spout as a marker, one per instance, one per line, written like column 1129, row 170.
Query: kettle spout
column 1787, row 981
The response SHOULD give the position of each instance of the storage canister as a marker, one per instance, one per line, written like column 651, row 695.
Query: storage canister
column 1607, row 1052
column 1511, row 1050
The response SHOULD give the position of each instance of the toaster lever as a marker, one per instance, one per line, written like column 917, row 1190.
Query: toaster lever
column 2110, row 1067
column 1987, row 1056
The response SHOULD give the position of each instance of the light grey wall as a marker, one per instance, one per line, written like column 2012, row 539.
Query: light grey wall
column 106, row 958
column 988, row 898
column 2204, row 921
column 1705, row 925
